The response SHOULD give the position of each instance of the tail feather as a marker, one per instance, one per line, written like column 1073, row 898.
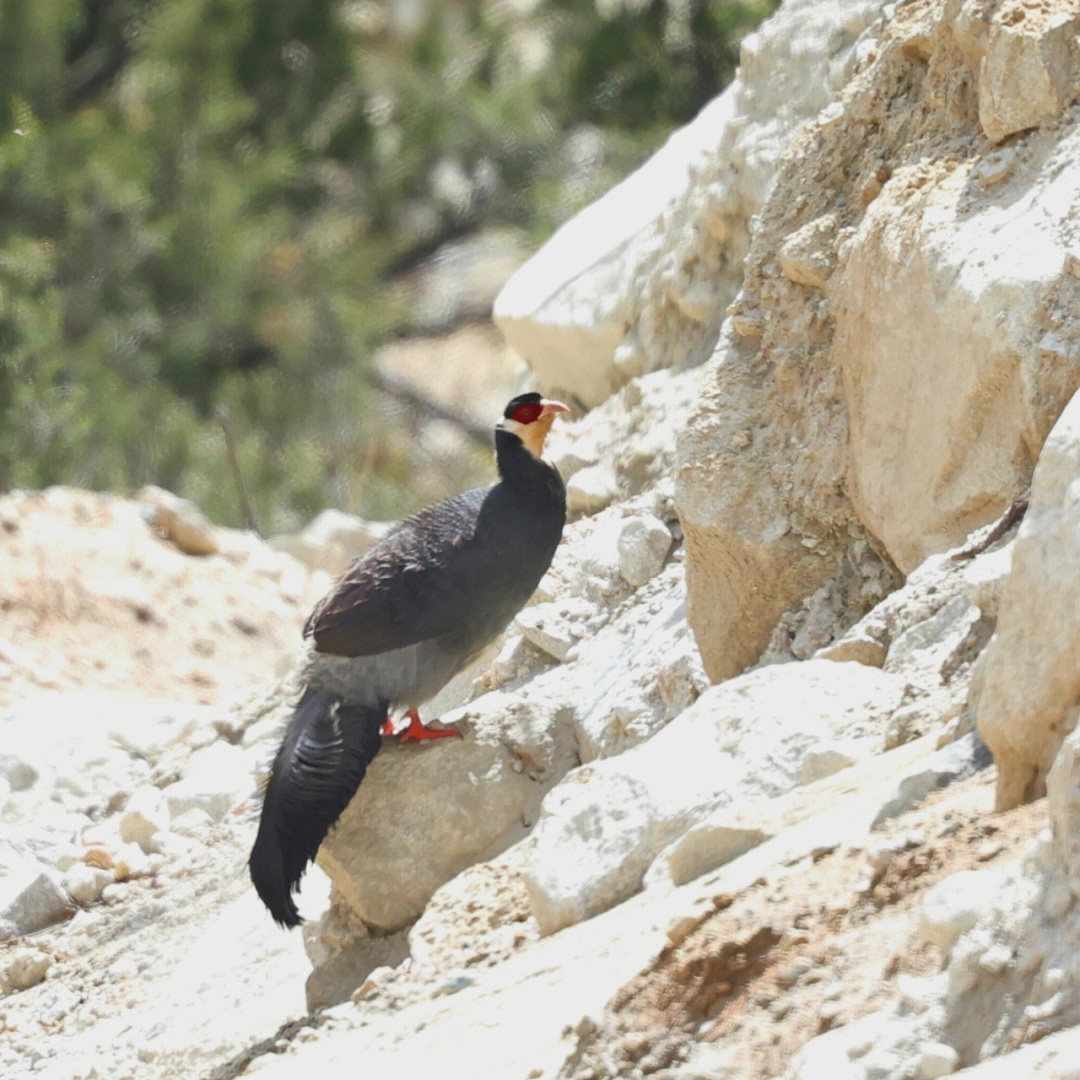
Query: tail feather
column 323, row 757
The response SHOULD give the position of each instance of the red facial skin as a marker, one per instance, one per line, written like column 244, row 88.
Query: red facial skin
column 527, row 414
column 534, row 410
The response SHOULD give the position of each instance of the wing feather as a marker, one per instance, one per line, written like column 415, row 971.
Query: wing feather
column 410, row 586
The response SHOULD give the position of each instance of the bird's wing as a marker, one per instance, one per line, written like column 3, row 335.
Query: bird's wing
column 409, row 587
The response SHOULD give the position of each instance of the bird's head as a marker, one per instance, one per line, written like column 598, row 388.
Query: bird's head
column 529, row 417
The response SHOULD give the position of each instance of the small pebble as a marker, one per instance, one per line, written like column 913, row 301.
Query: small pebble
column 779, row 1008
column 25, row 968
column 936, row 1059
column 791, row 973
column 634, row 1044
column 996, row 960
column 827, row 1014
column 99, row 857
column 454, row 984
column 116, row 893
column 85, row 883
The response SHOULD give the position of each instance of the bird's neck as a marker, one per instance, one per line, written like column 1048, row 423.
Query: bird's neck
column 516, row 464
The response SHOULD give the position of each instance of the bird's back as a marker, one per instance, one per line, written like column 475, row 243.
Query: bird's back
column 456, row 571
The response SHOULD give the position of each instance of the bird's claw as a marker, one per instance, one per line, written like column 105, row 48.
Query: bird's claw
column 416, row 731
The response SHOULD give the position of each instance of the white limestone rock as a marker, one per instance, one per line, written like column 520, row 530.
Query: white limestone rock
column 1051, row 1058
column 84, row 883
column 631, row 676
column 31, row 896
column 953, row 906
column 23, row 969
column 555, row 627
column 590, row 489
column 130, row 862
column 956, row 760
column 194, row 821
column 719, row 838
column 644, row 542
column 1026, row 701
column 1028, row 69
column 515, row 659
column 1063, row 794
column 935, row 1060
column 625, row 446
column 331, row 541
column 605, row 823
column 908, row 403
column 825, row 761
column 179, row 521
column 985, row 579
column 19, row 775
column 808, row 255
column 145, row 815
column 639, row 280
column 964, row 294
column 423, row 813
column 885, row 1045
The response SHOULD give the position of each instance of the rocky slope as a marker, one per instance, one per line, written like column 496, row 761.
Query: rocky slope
column 755, row 785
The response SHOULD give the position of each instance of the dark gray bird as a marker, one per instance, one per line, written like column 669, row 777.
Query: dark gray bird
column 401, row 621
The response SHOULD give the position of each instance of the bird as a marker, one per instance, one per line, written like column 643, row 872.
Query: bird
column 399, row 623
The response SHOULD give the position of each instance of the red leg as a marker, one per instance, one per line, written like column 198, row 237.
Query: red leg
column 417, row 731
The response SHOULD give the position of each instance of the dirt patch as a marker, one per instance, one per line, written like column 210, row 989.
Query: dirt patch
column 90, row 595
column 817, row 947
column 477, row 919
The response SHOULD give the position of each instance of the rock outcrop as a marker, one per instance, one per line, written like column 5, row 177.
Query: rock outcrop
column 905, row 337
column 639, row 280
column 751, row 737
column 1027, row 698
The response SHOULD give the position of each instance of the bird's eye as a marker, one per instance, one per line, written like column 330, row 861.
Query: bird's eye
column 527, row 413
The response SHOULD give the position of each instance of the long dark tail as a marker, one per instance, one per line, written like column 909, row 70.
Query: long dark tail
column 322, row 759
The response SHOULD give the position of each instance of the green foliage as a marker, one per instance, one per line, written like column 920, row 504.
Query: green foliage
column 202, row 201
column 651, row 63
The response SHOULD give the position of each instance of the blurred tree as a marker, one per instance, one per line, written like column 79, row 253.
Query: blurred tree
column 201, row 202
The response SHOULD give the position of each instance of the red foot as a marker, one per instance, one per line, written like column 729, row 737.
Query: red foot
column 417, row 731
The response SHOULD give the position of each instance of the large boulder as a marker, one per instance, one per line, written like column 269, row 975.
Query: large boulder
column 602, row 827
column 956, row 339
column 904, row 339
column 639, row 280
column 1026, row 702
column 424, row 813
column 1027, row 66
